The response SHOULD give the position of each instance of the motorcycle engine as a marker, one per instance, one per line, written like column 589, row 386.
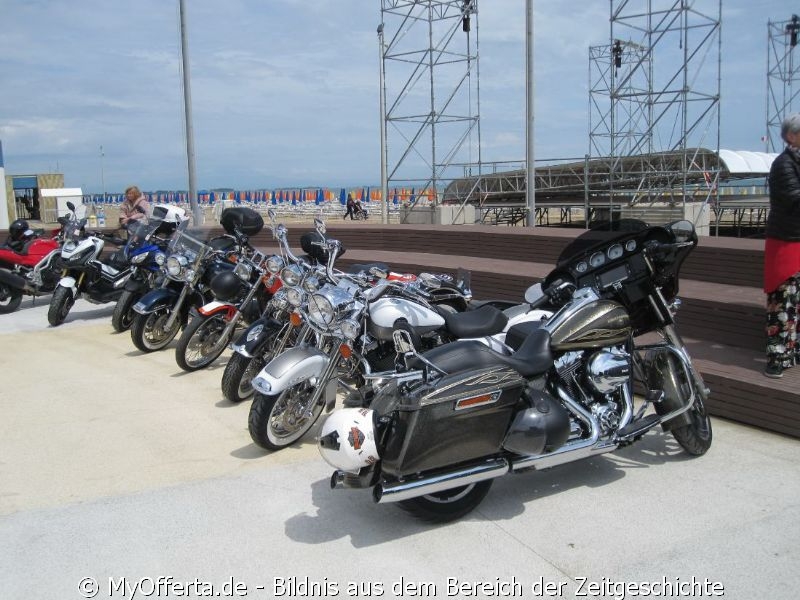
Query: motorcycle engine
column 594, row 379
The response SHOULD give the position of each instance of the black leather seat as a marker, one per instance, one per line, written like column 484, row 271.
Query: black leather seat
column 486, row 320
column 533, row 358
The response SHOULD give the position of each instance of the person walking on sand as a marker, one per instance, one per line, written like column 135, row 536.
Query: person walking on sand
column 782, row 254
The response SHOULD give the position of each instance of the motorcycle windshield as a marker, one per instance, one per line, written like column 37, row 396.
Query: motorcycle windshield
column 73, row 230
column 188, row 244
column 600, row 234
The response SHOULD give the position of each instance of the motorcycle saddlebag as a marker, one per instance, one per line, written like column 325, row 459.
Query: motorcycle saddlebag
column 462, row 417
column 248, row 221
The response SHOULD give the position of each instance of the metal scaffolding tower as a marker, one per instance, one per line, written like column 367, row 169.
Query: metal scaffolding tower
column 783, row 77
column 429, row 53
column 655, row 88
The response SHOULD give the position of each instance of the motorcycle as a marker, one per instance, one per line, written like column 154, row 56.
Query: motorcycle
column 83, row 273
column 434, row 436
column 146, row 252
column 240, row 296
column 347, row 323
column 29, row 264
column 188, row 271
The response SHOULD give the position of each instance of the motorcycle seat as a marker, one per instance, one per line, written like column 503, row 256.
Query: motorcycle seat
column 533, row 358
column 486, row 320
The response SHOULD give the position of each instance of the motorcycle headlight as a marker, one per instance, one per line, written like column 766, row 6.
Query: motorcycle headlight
column 279, row 300
column 243, row 271
column 139, row 258
column 350, row 328
column 70, row 246
column 311, row 284
column 175, row 265
column 160, row 258
column 190, row 274
column 320, row 310
column 295, row 296
column 291, row 275
column 275, row 264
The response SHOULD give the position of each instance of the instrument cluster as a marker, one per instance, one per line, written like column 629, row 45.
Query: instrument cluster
column 602, row 257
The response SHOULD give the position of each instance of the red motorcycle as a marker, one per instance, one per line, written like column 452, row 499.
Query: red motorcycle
column 29, row 264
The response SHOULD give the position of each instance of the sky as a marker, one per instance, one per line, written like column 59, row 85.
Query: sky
column 286, row 92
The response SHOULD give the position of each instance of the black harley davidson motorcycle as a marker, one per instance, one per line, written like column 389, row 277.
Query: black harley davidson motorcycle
column 607, row 367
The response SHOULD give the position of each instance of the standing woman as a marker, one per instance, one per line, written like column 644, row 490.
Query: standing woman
column 782, row 253
column 134, row 207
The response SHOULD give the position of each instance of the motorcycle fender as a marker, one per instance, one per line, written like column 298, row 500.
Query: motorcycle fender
column 215, row 307
column 251, row 342
column 154, row 300
column 12, row 279
column 135, row 284
column 290, row 368
column 69, row 282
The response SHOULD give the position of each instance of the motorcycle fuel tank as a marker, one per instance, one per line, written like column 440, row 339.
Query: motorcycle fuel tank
column 385, row 312
column 591, row 325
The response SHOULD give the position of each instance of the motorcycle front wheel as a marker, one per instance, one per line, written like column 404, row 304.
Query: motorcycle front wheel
column 695, row 438
column 201, row 342
column 10, row 298
column 60, row 305
column 280, row 420
column 148, row 333
column 448, row 505
column 123, row 315
column 237, row 380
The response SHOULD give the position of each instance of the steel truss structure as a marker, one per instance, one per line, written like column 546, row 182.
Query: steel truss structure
column 783, row 78
column 654, row 89
column 429, row 53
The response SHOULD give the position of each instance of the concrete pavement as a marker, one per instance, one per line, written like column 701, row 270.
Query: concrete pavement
column 118, row 468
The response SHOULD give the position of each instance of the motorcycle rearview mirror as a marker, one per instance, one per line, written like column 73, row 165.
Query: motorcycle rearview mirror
column 271, row 214
column 534, row 293
column 319, row 224
column 70, row 206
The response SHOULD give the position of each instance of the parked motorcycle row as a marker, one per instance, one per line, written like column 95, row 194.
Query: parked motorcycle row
column 440, row 393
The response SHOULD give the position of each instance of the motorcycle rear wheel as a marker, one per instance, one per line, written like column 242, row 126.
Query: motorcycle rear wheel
column 123, row 315
column 10, row 298
column 201, row 342
column 60, row 305
column 448, row 505
column 237, row 379
column 147, row 331
column 278, row 421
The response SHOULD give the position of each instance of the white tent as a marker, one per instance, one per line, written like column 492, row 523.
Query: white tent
column 62, row 196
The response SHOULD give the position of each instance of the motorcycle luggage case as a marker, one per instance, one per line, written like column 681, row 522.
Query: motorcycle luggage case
column 463, row 417
column 248, row 221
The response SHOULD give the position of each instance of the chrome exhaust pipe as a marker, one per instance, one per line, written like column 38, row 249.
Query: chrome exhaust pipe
column 405, row 490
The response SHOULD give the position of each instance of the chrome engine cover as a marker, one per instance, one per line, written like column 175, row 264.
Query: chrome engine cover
column 608, row 369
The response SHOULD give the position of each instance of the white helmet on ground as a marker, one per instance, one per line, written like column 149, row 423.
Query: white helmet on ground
column 347, row 440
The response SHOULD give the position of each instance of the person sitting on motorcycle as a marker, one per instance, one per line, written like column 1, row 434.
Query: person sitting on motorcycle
column 19, row 233
column 134, row 208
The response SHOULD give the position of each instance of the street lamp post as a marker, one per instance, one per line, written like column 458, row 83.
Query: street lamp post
column 102, row 174
column 530, row 169
column 384, row 168
column 187, row 105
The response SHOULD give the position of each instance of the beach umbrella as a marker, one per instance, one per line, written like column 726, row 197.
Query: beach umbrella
column 343, row 197
column 366, row 195
column 395, row 200
column 413, row 196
